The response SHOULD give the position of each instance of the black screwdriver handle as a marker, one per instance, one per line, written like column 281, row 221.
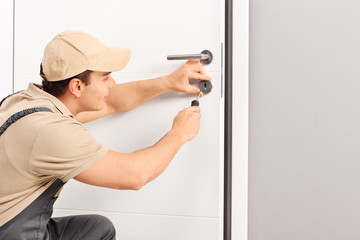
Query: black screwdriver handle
column 195, row 103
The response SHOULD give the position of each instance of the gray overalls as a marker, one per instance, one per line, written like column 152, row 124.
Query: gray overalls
column 35, row 221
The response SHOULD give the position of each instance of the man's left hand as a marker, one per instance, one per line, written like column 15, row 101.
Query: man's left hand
column 179, row 80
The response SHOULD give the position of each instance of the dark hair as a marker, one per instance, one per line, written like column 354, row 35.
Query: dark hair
column 58, row 88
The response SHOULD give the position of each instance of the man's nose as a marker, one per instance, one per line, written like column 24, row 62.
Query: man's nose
column 111, row 82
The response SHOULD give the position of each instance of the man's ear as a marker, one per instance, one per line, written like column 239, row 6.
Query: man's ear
column 76, row 87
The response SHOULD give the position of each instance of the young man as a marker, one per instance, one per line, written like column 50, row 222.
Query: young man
column 43, row 143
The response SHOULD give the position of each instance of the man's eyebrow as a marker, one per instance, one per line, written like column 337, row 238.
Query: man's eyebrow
column 106, row 73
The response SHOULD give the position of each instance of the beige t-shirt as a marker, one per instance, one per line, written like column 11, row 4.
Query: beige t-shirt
column 39, row 148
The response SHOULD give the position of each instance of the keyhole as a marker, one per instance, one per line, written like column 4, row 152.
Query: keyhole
column 205, row 86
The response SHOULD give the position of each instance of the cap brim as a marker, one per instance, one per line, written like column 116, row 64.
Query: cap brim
column 115, row 59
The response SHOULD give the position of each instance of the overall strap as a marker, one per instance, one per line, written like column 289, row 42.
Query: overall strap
column 21, row 114
column 31, row 223
column 8, row 97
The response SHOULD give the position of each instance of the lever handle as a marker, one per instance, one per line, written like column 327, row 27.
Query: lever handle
column 188, row 56
column 205, row 57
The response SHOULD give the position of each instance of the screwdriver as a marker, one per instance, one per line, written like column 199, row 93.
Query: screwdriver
column 196, row 102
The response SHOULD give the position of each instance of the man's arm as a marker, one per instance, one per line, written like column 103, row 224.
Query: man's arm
column 127, row 96
column 134, row 170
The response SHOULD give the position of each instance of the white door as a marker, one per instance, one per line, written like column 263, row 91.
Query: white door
column 186, row 201
column 6, row 50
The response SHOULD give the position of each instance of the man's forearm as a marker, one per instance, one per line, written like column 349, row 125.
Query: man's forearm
column 126, row 96
column 133, row 170
column 152, row 161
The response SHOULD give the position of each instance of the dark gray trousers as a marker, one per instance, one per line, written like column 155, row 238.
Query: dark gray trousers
column 35, row 222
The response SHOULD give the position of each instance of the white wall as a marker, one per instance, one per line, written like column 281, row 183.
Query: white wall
column 304, row 180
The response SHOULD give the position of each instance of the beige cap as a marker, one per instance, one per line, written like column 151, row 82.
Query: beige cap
column 73, row 52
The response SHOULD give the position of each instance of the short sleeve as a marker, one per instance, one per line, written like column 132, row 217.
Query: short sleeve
column 63, row 149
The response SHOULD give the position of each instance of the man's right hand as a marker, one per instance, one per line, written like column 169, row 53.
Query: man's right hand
column 187, row 123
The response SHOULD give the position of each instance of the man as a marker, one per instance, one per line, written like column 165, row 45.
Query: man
column 43, row 143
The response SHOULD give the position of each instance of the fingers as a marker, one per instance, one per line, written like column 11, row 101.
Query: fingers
column 194, row 90
column 196, row 70
column 196, row 64
column 194, row 109
column 199, row 76
column 187, row 123
column 178, row 81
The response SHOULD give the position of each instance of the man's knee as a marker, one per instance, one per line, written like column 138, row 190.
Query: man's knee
column 79, row 227
column 105, row 226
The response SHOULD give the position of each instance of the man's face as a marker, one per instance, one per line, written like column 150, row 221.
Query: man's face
column 95, row 93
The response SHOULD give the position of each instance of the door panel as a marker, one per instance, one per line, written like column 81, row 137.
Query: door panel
column 190, row 190
column 155, row 227
column 152, row 29
column 190, row 185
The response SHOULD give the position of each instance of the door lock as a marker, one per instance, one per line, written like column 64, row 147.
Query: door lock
column 205, row 57
column 205, row 86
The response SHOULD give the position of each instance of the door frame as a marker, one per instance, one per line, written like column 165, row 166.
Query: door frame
column 236, row 119
column 228, row 118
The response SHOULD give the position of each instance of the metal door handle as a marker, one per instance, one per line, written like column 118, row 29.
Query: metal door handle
column 205, row 57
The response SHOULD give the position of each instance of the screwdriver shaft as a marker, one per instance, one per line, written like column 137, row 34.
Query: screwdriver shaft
column 196, row 102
